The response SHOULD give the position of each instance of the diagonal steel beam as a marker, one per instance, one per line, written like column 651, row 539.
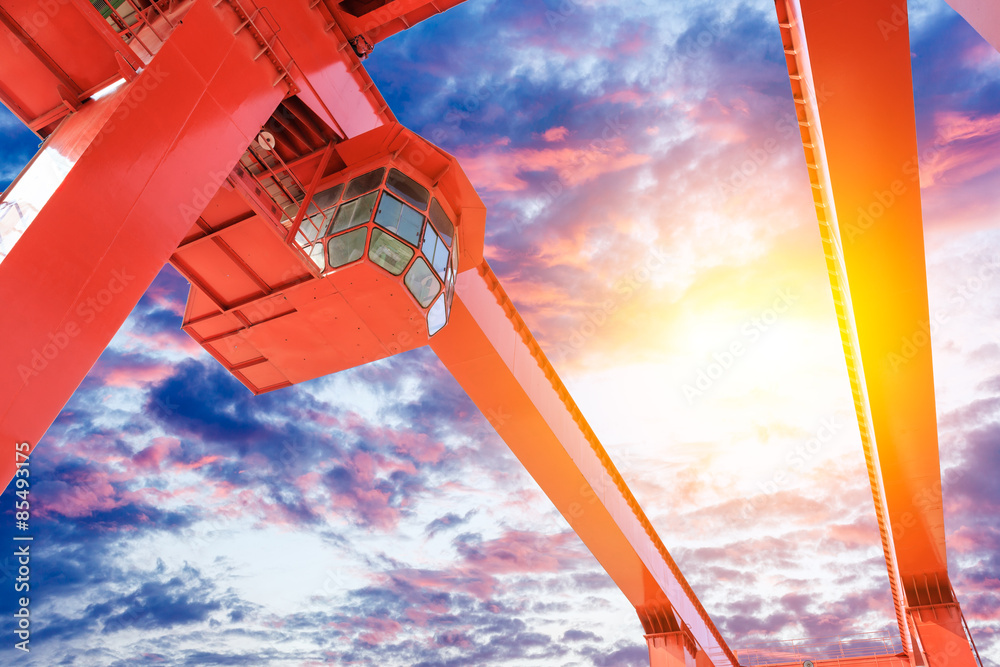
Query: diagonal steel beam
column 494, row 357
column 100, row 209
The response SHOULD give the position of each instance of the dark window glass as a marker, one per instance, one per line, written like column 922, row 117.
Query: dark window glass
column 409, row 190
column 353, row 213
column 390, row 253
column 346, row 248
column 442, row 222
column 364, row 183
column 329, row 197
column 399, row 218
column 422, row 283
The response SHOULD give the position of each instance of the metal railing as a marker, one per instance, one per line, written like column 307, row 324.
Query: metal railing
column 860, row 645
column 128, row 18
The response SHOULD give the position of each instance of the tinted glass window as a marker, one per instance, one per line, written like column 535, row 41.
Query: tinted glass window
column 422, row 283
column 397, row 217
column 316, row 255
column 449, row 288
column 364, row 183
column 435, row 251
column 347, row 248
column 436, row 317
column 353, row 213
column 328, row 197
column 315, row 224
column 391, row 254
column 309, row 228
column 408, row 190
column 442, row 222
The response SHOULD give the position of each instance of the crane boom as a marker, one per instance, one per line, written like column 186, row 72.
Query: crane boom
column 490, row 351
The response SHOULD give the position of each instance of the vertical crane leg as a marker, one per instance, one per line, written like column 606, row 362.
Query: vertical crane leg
column 939, row 635
column 97, row 213
column 671, row 649
column 849, row 67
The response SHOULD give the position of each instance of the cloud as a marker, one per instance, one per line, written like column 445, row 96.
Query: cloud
column 596, row 133
column 447, row 522
column 555, row 134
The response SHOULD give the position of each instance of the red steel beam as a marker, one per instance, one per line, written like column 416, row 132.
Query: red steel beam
column 132, row 165
column 983, row 15
column 489, row 350
column 39, row 53
column 375, row 20
column 859, row 135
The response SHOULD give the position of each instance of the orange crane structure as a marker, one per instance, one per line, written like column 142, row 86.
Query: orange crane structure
column 243, row 142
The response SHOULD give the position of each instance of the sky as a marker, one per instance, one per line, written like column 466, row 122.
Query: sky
column 641, row 227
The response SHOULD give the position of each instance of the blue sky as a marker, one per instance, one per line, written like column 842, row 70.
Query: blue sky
column 374, row 517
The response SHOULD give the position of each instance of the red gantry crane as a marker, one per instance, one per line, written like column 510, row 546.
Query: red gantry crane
column 243, row 142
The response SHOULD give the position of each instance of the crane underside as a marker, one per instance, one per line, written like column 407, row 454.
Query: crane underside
column 244, row 143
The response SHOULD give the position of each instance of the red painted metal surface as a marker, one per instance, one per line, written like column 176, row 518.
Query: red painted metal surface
column 268, row 302
column 983, row 15
column 274, row 317
column 368, row 22
column 251, row 130
column 491, row 353
column 862, row 649
column 95, row 243
column 195, row 96
column 55, row 55
column 860, row 143
column 332, row 81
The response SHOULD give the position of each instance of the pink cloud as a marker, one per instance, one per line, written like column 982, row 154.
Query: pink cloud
column 171, row 339
column 81, row 498
column 965, row 146
column 501, row 168
column 554, row 134
column 137, row 375
column 194, row 465
column 150, row 458
column 483, row 563
column 862, row 533
column 522, row 551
